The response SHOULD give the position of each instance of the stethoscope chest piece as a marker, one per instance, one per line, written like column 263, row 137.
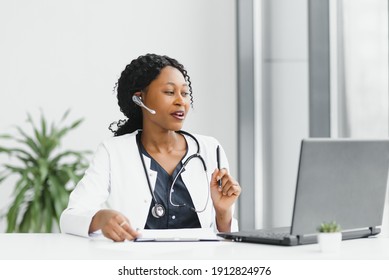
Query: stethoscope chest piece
column 158, row 211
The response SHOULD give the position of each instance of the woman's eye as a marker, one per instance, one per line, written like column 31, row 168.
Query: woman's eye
column 169, row 92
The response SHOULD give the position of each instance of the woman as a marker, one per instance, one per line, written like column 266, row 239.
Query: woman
column 152, row 175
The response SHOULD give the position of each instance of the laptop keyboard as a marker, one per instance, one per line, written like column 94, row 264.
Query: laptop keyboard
column 271, row 235
column 277, row 233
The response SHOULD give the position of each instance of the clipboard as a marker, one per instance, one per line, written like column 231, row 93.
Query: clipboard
column 178, row 235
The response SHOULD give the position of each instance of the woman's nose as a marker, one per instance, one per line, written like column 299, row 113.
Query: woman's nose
column 180, row 99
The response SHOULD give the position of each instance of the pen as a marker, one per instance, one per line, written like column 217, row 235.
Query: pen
column 218, row 163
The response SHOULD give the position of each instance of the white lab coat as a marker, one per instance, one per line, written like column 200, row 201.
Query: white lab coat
column 116, row 179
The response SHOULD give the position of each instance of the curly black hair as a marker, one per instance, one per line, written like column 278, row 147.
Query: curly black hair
column 136, row 77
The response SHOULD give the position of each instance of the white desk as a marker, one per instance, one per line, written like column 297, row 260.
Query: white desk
column 68, row 247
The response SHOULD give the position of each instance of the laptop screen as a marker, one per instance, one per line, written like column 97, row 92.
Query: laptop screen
column 342, row 180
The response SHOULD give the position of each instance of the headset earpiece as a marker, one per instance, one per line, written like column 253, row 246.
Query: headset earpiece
column 138, row 101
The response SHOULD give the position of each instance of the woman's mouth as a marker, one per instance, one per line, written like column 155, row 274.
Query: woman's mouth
column 179, row 115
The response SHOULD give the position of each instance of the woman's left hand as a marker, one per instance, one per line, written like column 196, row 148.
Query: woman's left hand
column 223, row 197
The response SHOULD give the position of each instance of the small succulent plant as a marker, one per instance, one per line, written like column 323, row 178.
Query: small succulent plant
column 329, row 227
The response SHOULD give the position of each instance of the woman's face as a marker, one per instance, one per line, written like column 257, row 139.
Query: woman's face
column 169, row 96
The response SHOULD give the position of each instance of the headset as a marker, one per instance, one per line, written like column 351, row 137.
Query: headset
column 138, row 101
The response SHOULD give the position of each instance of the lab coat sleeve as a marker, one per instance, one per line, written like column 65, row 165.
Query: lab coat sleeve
column 89, row 195
column 234, row 222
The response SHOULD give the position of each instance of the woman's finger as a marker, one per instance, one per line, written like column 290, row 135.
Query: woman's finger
column 129, row 232
column 233, row 190
column 112, row 234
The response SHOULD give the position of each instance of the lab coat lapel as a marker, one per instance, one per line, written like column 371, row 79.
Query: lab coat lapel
column 139, row 208
column 151, row 173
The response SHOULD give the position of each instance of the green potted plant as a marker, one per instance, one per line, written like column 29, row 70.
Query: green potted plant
column 329, row 237
column 45, row 174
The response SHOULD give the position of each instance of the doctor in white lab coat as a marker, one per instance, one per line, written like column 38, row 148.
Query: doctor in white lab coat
column 115, row 196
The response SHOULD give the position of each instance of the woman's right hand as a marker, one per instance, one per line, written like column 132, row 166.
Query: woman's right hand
column 114, row 225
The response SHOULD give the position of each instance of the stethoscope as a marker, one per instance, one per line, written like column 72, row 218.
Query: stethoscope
column 158, row 210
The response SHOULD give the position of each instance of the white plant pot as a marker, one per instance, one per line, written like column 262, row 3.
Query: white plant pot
column 329, row 242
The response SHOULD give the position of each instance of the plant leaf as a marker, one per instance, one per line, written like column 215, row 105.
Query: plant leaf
column 43, row 126
column 16, row 151
column 25, row 223
column 48, row 213
column 13, row 212
column 65, row 130
column 43, row 169
column 27, row 140
column 6, row 136
column 4, row 175
column 38, row 135
column 14, row 169
column 65, row 115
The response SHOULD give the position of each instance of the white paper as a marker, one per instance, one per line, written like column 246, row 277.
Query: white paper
column 196, row 234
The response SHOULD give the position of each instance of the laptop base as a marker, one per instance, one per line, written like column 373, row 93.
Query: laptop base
column 259, row 236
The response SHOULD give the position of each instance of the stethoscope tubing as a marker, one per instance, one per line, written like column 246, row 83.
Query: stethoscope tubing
column 161, row 211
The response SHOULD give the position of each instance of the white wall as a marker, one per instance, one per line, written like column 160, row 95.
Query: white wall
column 57, row 55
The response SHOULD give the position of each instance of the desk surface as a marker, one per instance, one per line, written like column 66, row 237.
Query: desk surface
column 68, row 247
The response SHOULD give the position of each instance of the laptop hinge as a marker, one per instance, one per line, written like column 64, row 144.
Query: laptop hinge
column 374, row 230
column 300, row 239
column 306, row 239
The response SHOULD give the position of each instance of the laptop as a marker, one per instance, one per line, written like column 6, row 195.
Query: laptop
column 342, row 180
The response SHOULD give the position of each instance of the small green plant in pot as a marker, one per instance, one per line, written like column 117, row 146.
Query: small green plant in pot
column 329, row 227
column 44, row 174
column 329, row 237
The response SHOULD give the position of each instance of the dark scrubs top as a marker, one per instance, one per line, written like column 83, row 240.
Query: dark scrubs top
column 175, row 217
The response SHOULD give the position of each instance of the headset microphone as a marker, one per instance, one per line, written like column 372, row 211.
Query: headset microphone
column 138, row 101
